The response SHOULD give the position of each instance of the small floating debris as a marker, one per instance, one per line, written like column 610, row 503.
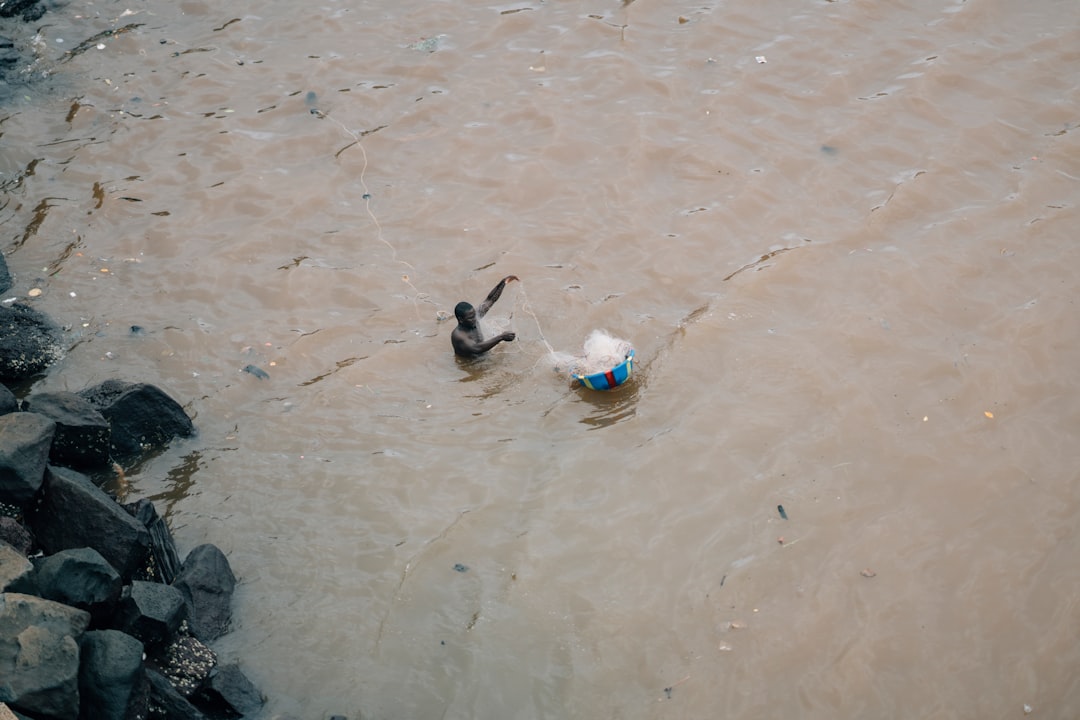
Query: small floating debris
column 458, row 567
column 780, row 509
column 257, row 372
column 430, row 44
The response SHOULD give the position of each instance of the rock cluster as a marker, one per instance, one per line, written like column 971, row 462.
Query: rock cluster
column 16, row 34
column 98, row 617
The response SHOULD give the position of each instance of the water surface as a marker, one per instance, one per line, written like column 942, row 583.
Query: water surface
column 840, row 235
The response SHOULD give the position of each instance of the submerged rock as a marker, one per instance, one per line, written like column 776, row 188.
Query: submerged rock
column 29, row 342
column 141, row 416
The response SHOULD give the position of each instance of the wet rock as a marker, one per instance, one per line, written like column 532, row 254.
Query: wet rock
column 39, row 655
column 8, row 56
column 81, row 578
column 150, row 612
column 166, row 703
column 187, row 663
column 8, row 402
column 15, row 570
column 207, row 582
column 111, row 676
column 29, row 342
column 25, row 439
column 27, row 10
column 142, row 417
column 15, row 535
column 82, row 433
column 90, row 519
column 228, row 693
column 164, row 562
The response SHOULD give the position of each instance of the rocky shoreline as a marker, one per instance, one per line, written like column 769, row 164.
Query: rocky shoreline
column 14, row 47
column 98, row 617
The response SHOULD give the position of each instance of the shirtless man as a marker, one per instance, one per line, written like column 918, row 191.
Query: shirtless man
column 467, row 339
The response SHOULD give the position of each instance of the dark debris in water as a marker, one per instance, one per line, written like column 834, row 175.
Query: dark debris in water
column 93, row 40
column 257, row 372
column 458, row 567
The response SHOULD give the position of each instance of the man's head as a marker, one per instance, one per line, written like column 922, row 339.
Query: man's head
column 465, row 313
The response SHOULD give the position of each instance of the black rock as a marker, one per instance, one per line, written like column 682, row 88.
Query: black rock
column 16, row 572
column 8, row 402
column 207, row 582
column 165, row 563
column 151, row 612
column 82, row 433
column 110, row 676
column 29, row 342
column 228, row 693
column 25, row 439
column 39, row 655
column 81, row 578
column 28, row 10
column 142, row 417
column 8, row 56
column 166, row 703
column 15, row 535
column 75, row 513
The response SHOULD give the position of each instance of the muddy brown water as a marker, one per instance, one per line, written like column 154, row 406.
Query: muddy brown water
column 842, row 237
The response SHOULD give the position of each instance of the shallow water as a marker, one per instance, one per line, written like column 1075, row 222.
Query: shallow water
column 840, row 236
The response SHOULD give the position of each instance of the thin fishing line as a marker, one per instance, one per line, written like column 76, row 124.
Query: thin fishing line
column 440, row 314
column 527, row 308
column 418, row 296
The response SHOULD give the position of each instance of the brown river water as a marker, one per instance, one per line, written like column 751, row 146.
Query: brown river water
column 841, row 236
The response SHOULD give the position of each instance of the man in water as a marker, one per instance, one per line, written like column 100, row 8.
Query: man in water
column 467, row 339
